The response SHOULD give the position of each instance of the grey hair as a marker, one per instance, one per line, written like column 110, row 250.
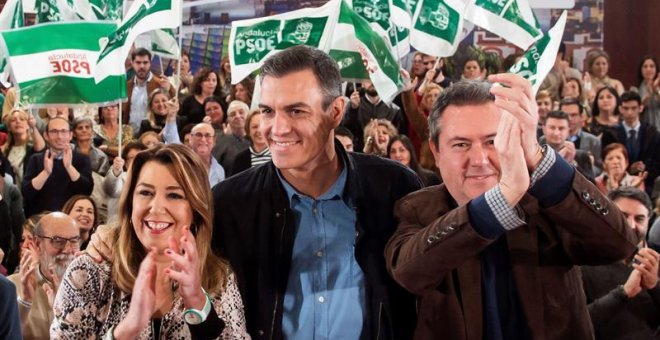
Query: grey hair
column 300, row 58
column 462, row 93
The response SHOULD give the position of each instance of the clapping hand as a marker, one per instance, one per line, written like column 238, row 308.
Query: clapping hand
column 185, row 269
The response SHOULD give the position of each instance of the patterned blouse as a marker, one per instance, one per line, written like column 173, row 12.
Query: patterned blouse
column 88, row 304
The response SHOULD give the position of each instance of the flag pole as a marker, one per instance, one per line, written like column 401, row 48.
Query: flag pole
column 119, row 132
column 160, row 62
column 178, row 64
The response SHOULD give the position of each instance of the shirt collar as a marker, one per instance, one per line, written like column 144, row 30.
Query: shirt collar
column 151, row 75
column 335, row 190
column 628, row 128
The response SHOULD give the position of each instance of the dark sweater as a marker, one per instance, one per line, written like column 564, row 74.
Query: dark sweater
column 58, row 187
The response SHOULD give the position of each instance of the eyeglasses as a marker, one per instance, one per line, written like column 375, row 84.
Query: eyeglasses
column 60, row 242
column 58, row 132
column 203, row 135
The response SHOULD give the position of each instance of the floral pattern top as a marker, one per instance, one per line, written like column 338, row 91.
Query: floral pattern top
column 88, row 305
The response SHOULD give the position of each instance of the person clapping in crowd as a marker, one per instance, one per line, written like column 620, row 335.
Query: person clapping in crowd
column 648, row 77
column 163, row 281
column 598, row 62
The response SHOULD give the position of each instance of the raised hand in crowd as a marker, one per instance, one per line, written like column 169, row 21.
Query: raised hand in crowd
column 646, row 262
column 567, row 151
column 67, row 157
column 185, row 269
column 29, row 264
column 163, row 82
column 517, row 99
column 48, row 162
column 408, row 84
column 51, row 288
column 633, row 285
column 355, row 99
column 117, row 166
column 172, row 109
column 143, row 303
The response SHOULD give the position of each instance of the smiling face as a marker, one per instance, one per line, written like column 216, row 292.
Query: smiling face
column 294, row 122
column 649, row 69
column 83, row 213
column 159, row 104
column 256, row 136
column 545, row 106
column 160, row 206
column 202, row 139
column 465, row 152
column 58, row 134
column 399, row 153
column 214, row 110
column 236, row 114
column 18, row 123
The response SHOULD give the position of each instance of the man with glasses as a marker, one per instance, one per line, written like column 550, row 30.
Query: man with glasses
column 57, row 239
column 57, row 173
column 202, row 141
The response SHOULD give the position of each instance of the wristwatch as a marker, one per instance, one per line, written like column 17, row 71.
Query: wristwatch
column 195, row 316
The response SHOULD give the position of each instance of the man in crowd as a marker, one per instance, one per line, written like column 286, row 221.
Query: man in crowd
column 641, row 140
column 345, row 137
column 583, row 140
column 230, row 145
column 491, row 253
column 623, row 297
column 365, row 107
column 140, row 86
column 57, row 173
column 57, row 239
column 555, row 134
column 305, row 233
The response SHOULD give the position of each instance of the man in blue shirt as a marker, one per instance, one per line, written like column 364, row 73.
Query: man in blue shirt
column 305, row 233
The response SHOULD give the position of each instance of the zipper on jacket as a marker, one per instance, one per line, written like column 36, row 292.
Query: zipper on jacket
column 272, row 323
column 380, row 315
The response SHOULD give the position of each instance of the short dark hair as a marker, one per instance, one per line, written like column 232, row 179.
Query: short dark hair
column 300, row 58
column 462, row 93
column 632, row 193
column 557, row 115
column 343, row 131
column 140, row 51
column 68, row 124
column 134, row 145
column 629, row 96
column 571, row 101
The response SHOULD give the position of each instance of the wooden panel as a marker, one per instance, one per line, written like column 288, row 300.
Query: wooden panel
column 631, row 30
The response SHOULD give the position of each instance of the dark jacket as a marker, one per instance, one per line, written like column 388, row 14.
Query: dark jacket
column 254, row 228
column 435, row 253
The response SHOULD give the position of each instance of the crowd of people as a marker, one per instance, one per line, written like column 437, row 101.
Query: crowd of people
column 461, row 210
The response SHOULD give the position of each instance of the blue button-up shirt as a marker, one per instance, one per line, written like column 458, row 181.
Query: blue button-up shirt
column 325, row 293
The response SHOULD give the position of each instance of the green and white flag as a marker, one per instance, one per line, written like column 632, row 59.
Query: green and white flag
column 58, row 64
column 363, row 54
column 537, row 62
column 512, row 20
column 143, row 16
column 400, row 13
column 437, row 27
column 11, row 17
column 377, row 12
column 164, row 43
column 107, row 9
column 252, row 41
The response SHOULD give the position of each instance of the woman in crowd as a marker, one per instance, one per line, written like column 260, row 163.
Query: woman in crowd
column 82, row 208
column 473, row 69
column 400, row 149
column 572, row 87
column 258, row 152
column 615, row 175
column 114, row 181
column 185, row 80
column 598, row 62
column 243, row 91
column 107, row 131
column 215, row 113
column 23, row 140
column 205, row 85
column 377, row 134
column 164, row 281
column 224, row 79
column 83, row 134
column 150, row 139
column 649, row 89
column 605, row 111
column 159, row 105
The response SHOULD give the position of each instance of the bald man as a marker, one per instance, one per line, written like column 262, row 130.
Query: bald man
column 236, row 141
column 57, row 239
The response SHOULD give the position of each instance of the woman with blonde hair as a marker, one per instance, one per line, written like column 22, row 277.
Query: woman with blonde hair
column 23, row 141
column 598, row 62
column 377, row 134
column 164, row 281
column 158, row 106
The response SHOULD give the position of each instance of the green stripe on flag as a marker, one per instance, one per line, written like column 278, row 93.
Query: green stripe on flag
column 78, row 91
column 350, row 64
column 57, row 35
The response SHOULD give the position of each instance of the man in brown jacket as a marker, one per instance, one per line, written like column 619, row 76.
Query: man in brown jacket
column 140, row 87
column 491, row 253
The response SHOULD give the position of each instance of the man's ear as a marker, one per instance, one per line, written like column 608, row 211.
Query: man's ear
column 337, row 110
